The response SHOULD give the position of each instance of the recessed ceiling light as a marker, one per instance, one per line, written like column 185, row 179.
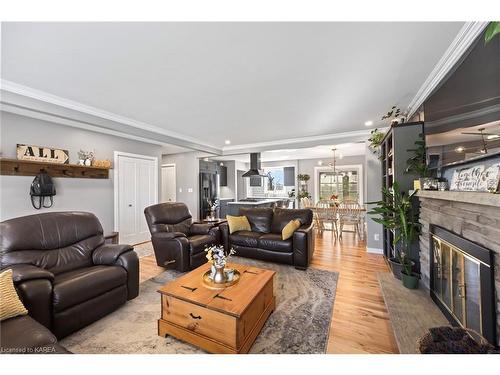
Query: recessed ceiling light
column 227, row 142
column 320, row 162
column 460, row 149
column 368, row 123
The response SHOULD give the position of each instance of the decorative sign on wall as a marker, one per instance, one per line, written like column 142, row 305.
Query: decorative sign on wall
column 477, row 178
column 38, row 153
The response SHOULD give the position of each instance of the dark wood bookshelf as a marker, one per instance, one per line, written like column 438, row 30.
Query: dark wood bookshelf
column 394, row 155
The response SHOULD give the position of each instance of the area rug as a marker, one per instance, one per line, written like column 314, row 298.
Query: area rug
column 299, row 324
column 144, row 249
column 412, row 312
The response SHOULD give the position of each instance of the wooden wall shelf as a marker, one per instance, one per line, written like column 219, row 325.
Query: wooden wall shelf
column 15, row 167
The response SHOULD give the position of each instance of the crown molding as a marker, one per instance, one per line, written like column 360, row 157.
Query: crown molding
column 464, row 39
column 26, row 101
column 29, row 102
column 311, row 141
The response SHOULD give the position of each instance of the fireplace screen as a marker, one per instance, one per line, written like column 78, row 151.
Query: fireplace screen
column 461, row 282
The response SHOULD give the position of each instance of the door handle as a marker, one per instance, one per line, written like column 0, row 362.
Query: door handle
column 130, row 205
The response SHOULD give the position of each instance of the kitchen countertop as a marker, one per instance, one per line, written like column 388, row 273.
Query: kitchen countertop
column 262, row 201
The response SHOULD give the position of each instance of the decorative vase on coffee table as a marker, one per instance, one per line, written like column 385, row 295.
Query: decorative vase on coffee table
column 220, row 276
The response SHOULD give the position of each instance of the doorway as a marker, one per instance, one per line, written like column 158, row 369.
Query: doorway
column 168, row 183
column 135, row 188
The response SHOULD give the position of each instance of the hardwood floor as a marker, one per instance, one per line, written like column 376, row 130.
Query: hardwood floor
column 360, row 322
column 148, row 268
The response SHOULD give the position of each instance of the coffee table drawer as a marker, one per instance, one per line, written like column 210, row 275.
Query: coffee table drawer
column 195, row 318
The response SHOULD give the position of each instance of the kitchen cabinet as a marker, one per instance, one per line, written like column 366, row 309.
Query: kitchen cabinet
column 289, row 176
column 223, row 175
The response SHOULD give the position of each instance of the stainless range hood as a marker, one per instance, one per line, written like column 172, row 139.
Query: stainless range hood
column 254, row 167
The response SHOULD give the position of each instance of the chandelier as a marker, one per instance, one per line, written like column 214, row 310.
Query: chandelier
column 334, row 163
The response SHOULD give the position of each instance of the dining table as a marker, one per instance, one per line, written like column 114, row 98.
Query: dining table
column 339, row 209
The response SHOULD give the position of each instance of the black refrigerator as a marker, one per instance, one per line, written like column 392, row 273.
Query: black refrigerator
column 209, row 194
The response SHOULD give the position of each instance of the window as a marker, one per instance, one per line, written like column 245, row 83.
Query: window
column 344, row 184
column 272, row 187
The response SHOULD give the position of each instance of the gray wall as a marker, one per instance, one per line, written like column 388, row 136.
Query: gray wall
column 187, row 169
column 92, row 195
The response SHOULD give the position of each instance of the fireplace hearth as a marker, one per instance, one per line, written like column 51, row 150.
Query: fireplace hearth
column 470, row 216
column 462, row 282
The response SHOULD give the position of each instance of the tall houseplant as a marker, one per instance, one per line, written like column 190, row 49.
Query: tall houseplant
column 395, row 212
column 417, row 164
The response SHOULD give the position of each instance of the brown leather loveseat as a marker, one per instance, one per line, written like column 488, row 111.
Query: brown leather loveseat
column 179, row 243
column 264, row 241
column 64, row 273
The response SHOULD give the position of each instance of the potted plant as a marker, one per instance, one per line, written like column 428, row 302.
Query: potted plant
column 375, row 140
column 395, row 115
column 303, row 193
column 303, row 177
column 395, row 212
column 417, row 164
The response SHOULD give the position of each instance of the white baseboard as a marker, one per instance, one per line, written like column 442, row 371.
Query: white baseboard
column 374, row 250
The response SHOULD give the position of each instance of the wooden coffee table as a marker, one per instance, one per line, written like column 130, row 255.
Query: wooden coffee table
column 217, row 320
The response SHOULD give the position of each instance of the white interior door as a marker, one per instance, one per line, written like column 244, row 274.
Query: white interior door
column 137, row 189
column 168, row 183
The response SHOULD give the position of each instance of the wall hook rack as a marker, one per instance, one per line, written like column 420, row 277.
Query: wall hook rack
column 15, row 167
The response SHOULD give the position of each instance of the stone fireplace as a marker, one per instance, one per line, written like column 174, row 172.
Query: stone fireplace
column 460, row 242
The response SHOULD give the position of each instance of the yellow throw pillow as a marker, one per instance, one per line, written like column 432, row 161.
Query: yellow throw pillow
column 10, row 304
column 237, row 223
column 289, row 229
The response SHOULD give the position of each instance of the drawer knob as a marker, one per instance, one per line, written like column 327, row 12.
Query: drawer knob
column 194, row 316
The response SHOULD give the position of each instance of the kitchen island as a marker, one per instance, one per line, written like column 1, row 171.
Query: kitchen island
column 234, row 207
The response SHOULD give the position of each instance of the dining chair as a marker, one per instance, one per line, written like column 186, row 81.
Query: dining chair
column 306, row 202
column 350, row 214
column 327, row 213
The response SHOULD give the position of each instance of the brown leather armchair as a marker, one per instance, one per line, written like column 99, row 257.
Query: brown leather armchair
column 264, row 241
column 64, row 273
column 177, row 242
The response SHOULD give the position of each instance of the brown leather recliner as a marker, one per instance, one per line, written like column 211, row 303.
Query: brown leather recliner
column 24, row 335
column 65, row 274
column 264, row 241
column 177, row 242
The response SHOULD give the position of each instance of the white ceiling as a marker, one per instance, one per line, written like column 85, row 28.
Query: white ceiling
column 318, row 152
column 247, row 82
